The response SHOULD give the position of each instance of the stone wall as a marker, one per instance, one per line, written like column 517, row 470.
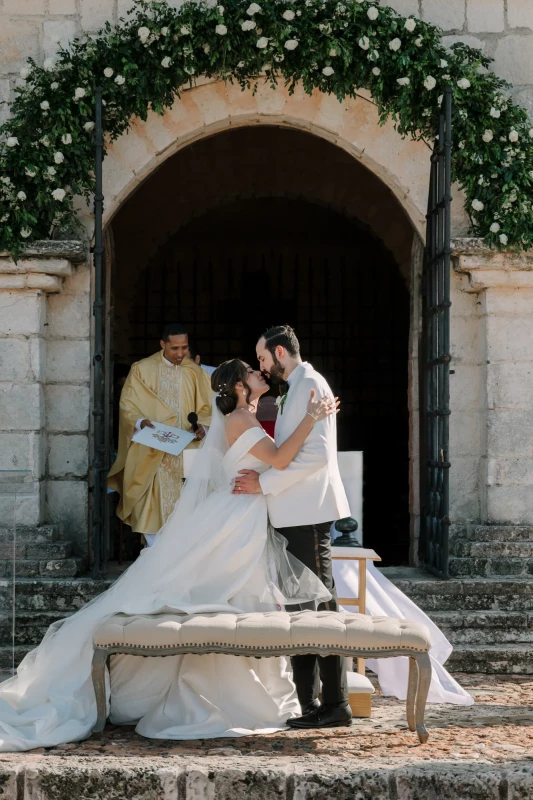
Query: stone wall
column 502, row 28
column 45, row 317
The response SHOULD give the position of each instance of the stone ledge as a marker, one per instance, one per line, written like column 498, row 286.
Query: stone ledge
column 487, row 267
column 72, row 249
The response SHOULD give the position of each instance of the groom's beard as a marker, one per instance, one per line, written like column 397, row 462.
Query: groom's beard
column 276, row 372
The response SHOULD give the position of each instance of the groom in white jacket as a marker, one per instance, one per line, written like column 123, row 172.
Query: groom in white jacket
column 303, row 500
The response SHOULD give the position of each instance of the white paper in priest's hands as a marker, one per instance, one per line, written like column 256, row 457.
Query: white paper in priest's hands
column 163, row 437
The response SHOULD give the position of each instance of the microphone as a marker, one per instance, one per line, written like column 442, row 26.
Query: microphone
column 193, row 419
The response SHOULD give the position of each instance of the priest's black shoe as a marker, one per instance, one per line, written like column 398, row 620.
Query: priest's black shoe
column 323, row 717
column 314, row 705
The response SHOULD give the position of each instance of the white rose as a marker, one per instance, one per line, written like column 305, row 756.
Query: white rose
column 372, row 13
column 88, row 126
column 185, row 30
column 364, row 43
column 333, row 53
column 443, row 63
column 410, row 24
column 328, row 71
column 59, row 158
column 46, row 141
column 164, row 31
column 143, row 34
column 25, row 73
column 25, row 232
column 248, row 25
column 5, row 179
column 495, row 112
column 206, row 48
column 288, row 15
column 120, row 80
column 45, row 105
column 21, row 195
column 262, row 42
column 51, row 170
column 59, row 194
column 220, row 9
column 395, row 44
column 166, row 62
column 503, row 238
column 488, row 136
column 221, row 30
column 513, row 136
column 54, row 85
column 79, row 93
column 30, row 173
column 430, row 82
column 464, row 83
column 48, row 64
column 253, row 9
column 477, row 205
column 403, row 81
column 531, row 133
column 108, row 72
column 240, row 65
column 66, row 138
column 12, row 141
column 495, row 227
column 419, row 42
column 376, row 71
column 291, row 44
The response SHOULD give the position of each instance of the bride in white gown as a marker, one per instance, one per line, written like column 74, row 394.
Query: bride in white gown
column 215, row 553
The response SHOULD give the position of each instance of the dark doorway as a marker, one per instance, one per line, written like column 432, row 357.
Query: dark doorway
column 249, row 264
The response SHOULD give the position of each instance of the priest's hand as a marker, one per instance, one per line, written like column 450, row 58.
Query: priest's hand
column 147, row 424
column 199, row 433
column 247, row 482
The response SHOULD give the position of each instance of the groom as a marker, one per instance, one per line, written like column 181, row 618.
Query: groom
column 303, row 500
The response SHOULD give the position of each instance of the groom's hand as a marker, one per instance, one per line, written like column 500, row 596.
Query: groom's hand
column 247, row 482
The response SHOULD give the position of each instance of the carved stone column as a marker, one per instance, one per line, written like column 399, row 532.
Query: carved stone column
column 503, row 283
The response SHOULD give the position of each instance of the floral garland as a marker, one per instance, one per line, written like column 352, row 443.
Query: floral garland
column 337, row 47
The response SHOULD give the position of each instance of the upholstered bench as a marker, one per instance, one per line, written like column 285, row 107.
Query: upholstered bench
column 268, row 634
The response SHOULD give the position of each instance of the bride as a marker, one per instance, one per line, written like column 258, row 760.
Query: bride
column 215, row 553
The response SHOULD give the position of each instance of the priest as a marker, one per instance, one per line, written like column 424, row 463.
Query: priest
column 165, row 387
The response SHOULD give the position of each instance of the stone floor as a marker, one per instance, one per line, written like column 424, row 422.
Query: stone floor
column 484, row 752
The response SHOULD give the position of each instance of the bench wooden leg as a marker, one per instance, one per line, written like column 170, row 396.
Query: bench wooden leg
column 411, row 694
column 98, row 676
column 424, row 679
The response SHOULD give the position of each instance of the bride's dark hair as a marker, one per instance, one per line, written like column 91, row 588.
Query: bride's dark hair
column 223, row 381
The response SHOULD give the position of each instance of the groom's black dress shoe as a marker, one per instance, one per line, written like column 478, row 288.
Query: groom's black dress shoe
column 323, row 717
column 312, row 706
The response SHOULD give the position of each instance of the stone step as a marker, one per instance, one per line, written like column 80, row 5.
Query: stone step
column 6, row 655
column 42, row 533
column 473, row 594
column 485, row 627
column 35, row 550
column 492, row 549
column 61, row 568
column 30, row 627
column 495, row 533
column 45, row 594
column 501, row 659
column 491, row 567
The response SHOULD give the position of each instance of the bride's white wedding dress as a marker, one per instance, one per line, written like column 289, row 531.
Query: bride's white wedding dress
column 215, row 553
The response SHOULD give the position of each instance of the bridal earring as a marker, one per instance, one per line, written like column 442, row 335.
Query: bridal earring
column 244, row 391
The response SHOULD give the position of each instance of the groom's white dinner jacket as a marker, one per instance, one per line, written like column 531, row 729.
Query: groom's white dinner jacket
column 309, row 490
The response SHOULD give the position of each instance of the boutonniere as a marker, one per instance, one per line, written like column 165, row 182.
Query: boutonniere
column 280, row 401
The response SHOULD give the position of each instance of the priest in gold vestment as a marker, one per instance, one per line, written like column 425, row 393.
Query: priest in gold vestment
column 165, row 387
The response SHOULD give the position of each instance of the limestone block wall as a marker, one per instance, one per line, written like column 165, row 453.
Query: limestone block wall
column 45, row 313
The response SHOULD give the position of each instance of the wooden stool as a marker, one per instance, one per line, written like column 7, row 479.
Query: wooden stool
column 360, row 702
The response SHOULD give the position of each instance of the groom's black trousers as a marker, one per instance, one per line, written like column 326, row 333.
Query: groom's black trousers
column 311, row 544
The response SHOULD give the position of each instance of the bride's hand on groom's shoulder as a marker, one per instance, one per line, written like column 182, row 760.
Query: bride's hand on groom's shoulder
column 321, row 407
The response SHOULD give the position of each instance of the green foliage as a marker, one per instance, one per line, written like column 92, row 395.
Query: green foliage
column 335, row 47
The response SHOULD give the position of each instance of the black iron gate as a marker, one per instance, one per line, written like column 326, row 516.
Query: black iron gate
column 435, row 356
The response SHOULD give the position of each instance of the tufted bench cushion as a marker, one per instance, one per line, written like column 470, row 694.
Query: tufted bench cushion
column 264, row 633
column 268, row 634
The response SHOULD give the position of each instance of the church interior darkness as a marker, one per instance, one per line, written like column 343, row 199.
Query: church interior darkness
column 246, row 263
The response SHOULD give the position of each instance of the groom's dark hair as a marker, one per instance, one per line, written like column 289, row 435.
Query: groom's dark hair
column 282, row 335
